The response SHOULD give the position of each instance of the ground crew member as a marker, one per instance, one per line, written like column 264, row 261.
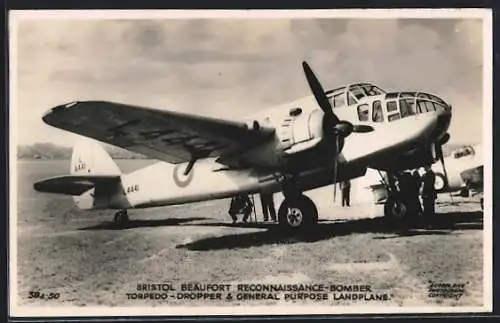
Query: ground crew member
column 240, row 205
column 233, row 208
column 345, row 187
column 417, row 183
column 429, row 193
column 247, row 208
column 405, row 190
column 267, row 202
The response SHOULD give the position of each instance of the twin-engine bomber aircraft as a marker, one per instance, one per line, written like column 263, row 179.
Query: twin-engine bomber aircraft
column 312, row 142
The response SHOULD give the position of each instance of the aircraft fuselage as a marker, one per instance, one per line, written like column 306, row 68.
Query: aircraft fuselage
column 398, row 144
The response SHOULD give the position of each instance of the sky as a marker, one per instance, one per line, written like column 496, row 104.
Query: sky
column 235, row 67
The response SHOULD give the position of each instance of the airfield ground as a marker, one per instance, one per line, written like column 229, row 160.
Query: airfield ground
column 89, row 261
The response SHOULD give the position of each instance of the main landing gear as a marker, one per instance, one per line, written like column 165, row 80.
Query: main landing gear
column 396, row 208
column 121, row 217
column 297, row 212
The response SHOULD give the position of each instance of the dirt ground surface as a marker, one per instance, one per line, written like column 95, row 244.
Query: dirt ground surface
column 86, row 260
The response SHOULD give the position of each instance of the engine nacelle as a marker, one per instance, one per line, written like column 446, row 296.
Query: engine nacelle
column 295, row 132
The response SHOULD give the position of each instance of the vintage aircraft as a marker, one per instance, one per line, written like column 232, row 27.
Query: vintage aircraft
column 458, row 163
column 312, row 142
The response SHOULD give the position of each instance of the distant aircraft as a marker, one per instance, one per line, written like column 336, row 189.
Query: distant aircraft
column 308, row 143
column 461, row 161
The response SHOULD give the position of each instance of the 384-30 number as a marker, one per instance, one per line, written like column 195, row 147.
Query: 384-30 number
column 41, row 295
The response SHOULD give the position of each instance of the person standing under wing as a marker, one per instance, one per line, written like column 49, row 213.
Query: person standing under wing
column 267, row 202
column 429, row 194
column 345, row 187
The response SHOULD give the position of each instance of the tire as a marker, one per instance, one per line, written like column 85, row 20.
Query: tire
column 441, row 183
column 121, row 217
column 125, row 218
column 396, row 210
column 298, row 214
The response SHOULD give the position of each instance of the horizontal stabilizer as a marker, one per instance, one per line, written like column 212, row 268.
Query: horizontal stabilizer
column 73, row 184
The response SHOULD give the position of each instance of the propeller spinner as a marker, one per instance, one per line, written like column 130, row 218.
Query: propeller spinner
column 332, row 126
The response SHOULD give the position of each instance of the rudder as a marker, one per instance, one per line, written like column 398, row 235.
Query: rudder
column 90, row 159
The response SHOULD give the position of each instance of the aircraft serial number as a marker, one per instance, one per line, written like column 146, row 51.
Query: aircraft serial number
column 42, row 295
column 132, row 188
column 80, row 166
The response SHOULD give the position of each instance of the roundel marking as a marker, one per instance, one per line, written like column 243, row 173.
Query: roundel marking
column 180, row 179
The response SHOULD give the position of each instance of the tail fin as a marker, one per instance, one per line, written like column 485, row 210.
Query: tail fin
column 90, row 159
column 95, row 180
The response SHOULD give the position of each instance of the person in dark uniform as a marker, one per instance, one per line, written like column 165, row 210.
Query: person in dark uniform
column 405, row 189
column 415, row 194
column 234, row 208
column 247, row 208
column 345, row 187
column 240, row 205
column 267, row 202
column 429, row 193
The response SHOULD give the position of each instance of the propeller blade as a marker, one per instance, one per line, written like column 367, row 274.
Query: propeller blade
column 319, row 93
column 344, row 128
column 441, row 158
column 445, row 139
column 361, row 128
column 337, row 151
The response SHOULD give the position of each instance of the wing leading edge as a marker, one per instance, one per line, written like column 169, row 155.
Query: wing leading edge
column 169, row 136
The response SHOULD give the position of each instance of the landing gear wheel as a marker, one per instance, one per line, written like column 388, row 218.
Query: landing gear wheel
column 441, row 183
column 121, row 217
column 297, row 214
column 396, row 211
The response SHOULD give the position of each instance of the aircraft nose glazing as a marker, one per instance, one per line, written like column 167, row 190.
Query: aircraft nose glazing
column 411, row 103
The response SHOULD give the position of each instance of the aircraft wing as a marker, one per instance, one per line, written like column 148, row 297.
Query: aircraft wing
column 72, row 184
column 168, row 136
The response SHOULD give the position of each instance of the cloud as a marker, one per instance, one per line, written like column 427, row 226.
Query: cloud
column 235, row 67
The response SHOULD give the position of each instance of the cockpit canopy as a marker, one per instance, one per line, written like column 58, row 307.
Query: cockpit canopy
column 352, row 94
column 464, row 151
column 392, row 105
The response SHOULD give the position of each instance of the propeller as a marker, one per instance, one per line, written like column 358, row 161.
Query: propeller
column 343, row 128
column 319, row 94
column 332, row 126
column 335, row 164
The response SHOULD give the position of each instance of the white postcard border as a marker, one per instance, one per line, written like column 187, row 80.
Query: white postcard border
column 16, row 16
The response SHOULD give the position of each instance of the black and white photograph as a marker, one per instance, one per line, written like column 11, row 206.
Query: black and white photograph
column 253, row 162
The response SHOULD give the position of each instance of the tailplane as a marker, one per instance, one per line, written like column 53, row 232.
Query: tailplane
column 94, row 180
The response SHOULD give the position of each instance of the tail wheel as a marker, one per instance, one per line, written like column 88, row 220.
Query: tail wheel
column 121, row 217
column 298, row 213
